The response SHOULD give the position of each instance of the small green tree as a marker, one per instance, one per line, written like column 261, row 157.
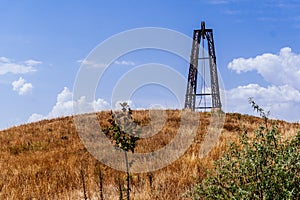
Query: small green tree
column 123, row 131
column 263, row 167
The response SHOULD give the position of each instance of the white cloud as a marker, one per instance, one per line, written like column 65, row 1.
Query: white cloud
column 283, row 102
column 8, row 66
column 95, row 64
column 281, row 97
column 124, row 62
column 64, row 96
column 32, row 62
column 64, row 106
column 17, row 84
column 21, row 86
column 91, row 63
column 278, row 69
column 4, row 59
column 35, row 117
column 25, row 89
column 100, row 104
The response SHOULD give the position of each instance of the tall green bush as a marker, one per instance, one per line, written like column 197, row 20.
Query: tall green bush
column 263, row 167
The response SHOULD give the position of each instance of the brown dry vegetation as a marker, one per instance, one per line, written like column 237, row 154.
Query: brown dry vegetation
column 46, row 159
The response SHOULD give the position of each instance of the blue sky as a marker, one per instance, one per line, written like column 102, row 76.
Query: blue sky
column 43, row 43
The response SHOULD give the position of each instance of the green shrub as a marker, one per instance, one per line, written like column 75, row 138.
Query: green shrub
column 124, row 132
column 263, row 167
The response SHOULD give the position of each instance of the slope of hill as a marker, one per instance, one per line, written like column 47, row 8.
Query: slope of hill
column 47, row 160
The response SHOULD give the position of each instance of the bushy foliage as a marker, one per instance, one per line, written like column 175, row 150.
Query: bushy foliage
column 261, row 167
column 123, row 131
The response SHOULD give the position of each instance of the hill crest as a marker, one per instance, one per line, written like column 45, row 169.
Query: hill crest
column 44, row 159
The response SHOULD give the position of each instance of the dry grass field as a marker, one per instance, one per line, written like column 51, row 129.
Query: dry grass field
column 47, row 160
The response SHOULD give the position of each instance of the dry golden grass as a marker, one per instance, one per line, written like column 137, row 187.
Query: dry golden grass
column 45, row 160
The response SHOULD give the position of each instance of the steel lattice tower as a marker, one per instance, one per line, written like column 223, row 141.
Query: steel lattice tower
column 190, row 99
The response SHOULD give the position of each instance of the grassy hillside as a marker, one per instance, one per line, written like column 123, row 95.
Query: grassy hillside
column 47, row 160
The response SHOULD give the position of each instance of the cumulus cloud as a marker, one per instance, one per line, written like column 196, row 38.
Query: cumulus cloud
column 64, row 106
column 283, row 102
column 21, row 86
column 278, row 69
column 281, row 97
column 36, row 117
column 8, row 66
